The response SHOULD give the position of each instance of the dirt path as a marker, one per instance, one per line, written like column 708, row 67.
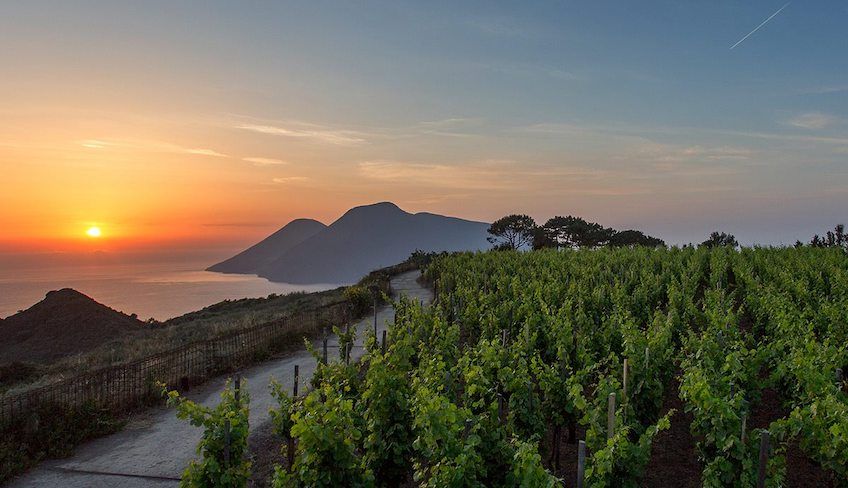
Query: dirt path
column 155, row 447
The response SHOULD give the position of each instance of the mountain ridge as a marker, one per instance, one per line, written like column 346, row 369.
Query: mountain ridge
column 269, row 249
column 368, row 237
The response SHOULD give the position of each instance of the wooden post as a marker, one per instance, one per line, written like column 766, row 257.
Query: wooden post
column 501, row 410
column 296, row 378
column 226, row 443
column 764, row 453
column 581, row 463
column 555, row 450
column 384, row 341
column 325, row 350
column 504, row 335
column 624, row 381
column 647, row 357
column 744, row 435
column 237, row 388
column 611, row 416
column 290, row 451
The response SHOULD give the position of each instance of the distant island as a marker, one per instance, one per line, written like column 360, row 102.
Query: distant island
column 365, row 238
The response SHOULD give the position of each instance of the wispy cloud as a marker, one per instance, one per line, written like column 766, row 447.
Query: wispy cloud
column 285, row 180
column 203, row 152
column 823, row 90
column 142, row 145
column 574, row 129
column 486, row 175
column 265, row 161
column 314, row 133
column 760, row 26
column 812, row 120
column 94, row 144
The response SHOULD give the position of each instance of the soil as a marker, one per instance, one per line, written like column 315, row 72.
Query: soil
column 266, row 450
column 801, row 471
column 673, row 453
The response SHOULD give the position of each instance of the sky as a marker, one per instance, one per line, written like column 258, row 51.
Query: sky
column 208, row 125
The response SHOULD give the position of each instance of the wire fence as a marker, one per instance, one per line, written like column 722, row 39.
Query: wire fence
column 133, row 384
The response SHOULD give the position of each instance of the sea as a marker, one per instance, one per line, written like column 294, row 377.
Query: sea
column 159, row 290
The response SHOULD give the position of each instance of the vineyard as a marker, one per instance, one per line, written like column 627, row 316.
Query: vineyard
column 554, row 368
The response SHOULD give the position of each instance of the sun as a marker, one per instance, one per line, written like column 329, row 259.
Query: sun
column 93, row 232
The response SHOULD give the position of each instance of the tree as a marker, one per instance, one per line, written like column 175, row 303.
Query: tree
column 575, row 232
column 833, row 238
column 512, row 232
column 629, row 238
column 718, row 239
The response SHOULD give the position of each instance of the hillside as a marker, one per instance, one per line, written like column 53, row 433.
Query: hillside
column 66, row 322
column 271, row 248
column 370, row 237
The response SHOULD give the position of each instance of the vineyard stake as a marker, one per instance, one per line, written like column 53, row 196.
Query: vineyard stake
column 238, row 389
column 296, row 378
column 384, row 341
column 226, row 443
column 325, row 350
column 744, row 435
column 504, row 335
column 647, row 357
column 581, row 462
column 500, row 407
column 290, row 451
column 611, row 416
column 557, row 440
column 624, row 378
column 764, row 452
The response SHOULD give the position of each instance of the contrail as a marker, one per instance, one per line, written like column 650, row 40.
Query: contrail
column 758, row 27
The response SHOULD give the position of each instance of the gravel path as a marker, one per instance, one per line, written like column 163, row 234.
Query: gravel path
column 155, row 447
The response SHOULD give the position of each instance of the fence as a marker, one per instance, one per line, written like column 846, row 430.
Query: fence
column 132, row 384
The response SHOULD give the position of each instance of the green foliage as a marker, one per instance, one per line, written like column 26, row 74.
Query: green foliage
column 223, row 446
column 519, row 344
column 51, row 431
column 361, row 299
column 327, row 432
column 388, row 416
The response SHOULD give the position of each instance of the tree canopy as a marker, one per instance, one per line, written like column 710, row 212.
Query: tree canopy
column 512, row 232
column 718, row 239
column 629, row 238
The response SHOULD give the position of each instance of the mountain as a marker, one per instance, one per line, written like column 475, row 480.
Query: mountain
column 370, row 237
column 254, row 258
column 66, row 322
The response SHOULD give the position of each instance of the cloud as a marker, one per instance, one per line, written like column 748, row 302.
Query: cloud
column 823, row 90
column 203, row 152
column 485, row 175
column 142, row 145
column 812, row 120
column 265, row 161
column 315, row 133
column 285, row 180
column 94, row 144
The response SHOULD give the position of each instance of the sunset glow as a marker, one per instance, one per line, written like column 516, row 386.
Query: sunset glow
column 304, row 114
column 93, row 232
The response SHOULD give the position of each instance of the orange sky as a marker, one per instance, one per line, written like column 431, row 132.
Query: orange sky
column 187, row 126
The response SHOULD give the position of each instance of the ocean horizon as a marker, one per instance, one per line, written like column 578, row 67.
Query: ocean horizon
column 159, row 290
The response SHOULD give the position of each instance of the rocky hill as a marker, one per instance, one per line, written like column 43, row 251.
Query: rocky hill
column 66, row 322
